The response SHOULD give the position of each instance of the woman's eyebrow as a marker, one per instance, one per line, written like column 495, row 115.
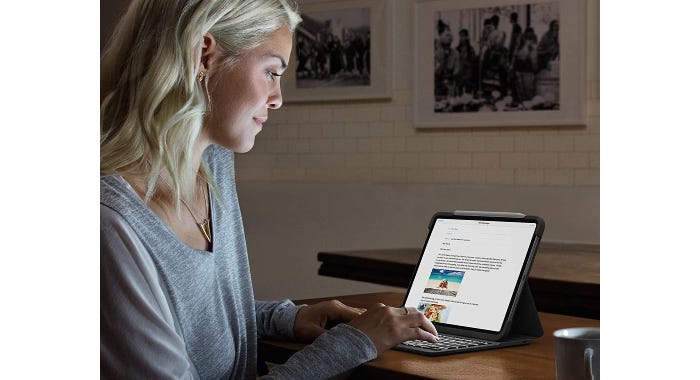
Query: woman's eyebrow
column 282, row 61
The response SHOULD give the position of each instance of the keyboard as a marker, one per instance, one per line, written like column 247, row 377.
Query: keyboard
column 447, row 342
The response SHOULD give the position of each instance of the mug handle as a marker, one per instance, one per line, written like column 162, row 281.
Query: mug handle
column 588, row 363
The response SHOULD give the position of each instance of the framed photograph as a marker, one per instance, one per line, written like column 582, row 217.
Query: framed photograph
column 341, row 51
column 482, row 63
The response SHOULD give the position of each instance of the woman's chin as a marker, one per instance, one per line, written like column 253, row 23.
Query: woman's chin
column 244, row 147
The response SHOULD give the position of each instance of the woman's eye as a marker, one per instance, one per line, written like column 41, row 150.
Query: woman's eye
column 273, row 74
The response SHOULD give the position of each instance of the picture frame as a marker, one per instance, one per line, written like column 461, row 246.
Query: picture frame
column 536, row 79
column 341, row 51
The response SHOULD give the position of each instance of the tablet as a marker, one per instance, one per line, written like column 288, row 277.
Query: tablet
column 472, row 271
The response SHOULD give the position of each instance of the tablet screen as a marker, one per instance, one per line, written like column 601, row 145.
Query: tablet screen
column 469, row 270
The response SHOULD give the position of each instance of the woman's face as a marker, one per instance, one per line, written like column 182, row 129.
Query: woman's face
column 446, row 38
column 242, row 94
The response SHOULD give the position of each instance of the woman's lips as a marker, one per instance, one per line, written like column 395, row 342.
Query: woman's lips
column 260, row 120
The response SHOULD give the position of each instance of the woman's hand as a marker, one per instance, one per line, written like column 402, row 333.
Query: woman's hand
column 311, row 320
column 388, row 326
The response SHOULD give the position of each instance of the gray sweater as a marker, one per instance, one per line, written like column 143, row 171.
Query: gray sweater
column 170, row 311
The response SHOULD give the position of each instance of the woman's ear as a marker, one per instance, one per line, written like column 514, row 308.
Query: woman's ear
column 209, row 51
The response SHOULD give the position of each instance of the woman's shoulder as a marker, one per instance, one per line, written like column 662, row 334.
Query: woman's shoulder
column 113, row 188
column 219, row 162
column 218, row 156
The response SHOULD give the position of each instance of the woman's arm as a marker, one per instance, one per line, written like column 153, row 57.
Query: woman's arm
column 138, row 336
column 332, row 352
column 346, row 346
column 275, row 319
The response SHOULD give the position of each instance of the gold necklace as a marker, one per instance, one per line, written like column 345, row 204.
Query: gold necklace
column 204, row 225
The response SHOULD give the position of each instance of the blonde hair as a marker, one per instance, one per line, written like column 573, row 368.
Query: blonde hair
column 152, row 104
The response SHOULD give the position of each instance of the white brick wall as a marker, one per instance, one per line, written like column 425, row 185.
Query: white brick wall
column 376, row 142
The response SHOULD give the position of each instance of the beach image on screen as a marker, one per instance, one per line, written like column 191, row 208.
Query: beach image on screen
column 444, row 282
column 434, row 312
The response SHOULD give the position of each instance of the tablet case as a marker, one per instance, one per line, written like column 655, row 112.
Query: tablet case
column 526, row 322
column 523, row 325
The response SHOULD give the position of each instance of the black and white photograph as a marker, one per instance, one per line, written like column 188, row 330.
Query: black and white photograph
column 341, row 51
column 497, row 58
column 499, row 63
column 333, row 49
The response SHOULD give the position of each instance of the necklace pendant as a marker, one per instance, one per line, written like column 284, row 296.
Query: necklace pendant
column 205, row 227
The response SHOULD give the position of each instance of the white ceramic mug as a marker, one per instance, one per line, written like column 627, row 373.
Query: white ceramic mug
column 577, row 353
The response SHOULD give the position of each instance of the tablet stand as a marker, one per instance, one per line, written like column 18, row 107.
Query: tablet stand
column 526, row 321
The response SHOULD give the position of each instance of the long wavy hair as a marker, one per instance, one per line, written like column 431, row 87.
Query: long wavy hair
column 152, row 105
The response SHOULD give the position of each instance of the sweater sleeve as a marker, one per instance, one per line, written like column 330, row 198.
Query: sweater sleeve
column 138, row 336
column 335, row 352
column 275, row 319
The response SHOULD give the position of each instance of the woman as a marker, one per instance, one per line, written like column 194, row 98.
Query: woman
column 184, row 84
column 467, row 57
column 524, row 67
column 446, row 63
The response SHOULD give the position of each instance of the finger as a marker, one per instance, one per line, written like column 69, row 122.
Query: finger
column 346, row 313
column 417, row 319
column 425, row 324
column 341, row 312
column 357, row 309
column 424, row 335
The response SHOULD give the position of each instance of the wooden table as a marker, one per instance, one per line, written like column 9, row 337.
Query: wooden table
column 533, row 361
column 565, row 278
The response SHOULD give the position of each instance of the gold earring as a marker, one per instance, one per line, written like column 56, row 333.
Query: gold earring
column 201, row 75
